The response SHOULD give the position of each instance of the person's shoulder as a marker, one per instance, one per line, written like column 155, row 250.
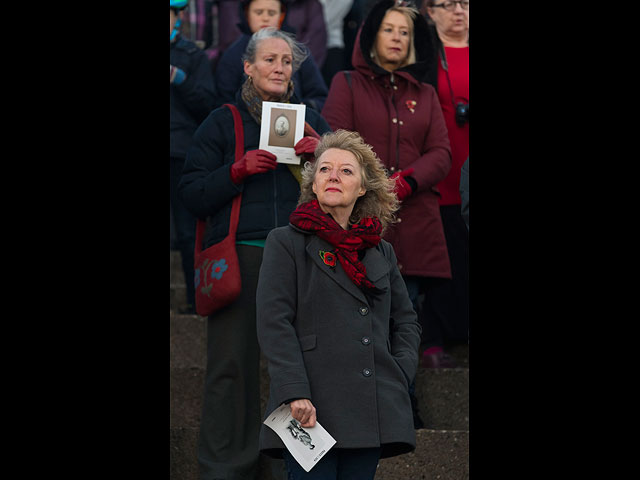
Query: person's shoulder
column 187, row 45
column 284, row 232
column 384, row 244
column 317, row 121
column 221, row 113
column 427, row 91
column 288, row 236
column 229, row 65
column 312, row 115
column 386, row 249
column 356, row 77
column 219, row 120
column 238, row 46
column 427, row 87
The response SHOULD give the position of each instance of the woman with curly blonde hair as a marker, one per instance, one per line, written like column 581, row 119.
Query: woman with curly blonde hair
column 334, row 318
column 379, row 200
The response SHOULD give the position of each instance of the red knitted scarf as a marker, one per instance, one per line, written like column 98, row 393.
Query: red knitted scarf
column 364, row 234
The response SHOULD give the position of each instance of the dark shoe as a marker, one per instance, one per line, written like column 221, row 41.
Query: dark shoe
column 438, row 360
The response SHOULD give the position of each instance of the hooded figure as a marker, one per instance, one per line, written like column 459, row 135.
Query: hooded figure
column 400, row 116
column 309, row 86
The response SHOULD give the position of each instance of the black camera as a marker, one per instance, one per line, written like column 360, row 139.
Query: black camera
column 462, row 113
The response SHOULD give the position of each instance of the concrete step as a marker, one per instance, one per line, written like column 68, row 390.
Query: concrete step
column 439, row 455
column 187, row 341
column 184, row 453
column 177, row 297
column 443, row 394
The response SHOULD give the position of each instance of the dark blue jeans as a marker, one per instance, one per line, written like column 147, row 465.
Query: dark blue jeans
column 337, row 464
column 185, row 227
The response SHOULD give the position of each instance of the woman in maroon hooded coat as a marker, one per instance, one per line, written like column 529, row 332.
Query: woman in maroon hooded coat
column 387, row 102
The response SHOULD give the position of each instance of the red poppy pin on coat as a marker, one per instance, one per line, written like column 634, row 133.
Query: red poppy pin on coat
column 411, row 105
column 328, row 258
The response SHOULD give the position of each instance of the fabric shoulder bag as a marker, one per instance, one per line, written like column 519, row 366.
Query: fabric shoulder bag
column 217, row 270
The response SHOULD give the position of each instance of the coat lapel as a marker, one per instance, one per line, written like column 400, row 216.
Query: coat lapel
column 376, row 264
column 336, row 273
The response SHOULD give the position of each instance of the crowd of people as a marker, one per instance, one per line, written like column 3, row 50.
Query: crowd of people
column 354, row 264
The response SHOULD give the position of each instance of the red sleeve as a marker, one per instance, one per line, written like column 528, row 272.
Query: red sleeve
column 338, row 108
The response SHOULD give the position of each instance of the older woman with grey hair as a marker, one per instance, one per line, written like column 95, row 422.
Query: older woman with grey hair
column 231, row 417
column 335, row 321
column 310, row 87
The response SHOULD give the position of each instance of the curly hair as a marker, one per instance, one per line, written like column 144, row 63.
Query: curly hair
column 379, row 200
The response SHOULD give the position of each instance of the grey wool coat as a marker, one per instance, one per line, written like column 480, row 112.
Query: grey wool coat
column 324, row 341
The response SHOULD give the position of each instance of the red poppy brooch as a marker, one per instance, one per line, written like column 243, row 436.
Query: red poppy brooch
column 328, row 258
column 411, row 105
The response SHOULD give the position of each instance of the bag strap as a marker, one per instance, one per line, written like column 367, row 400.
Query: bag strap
column 347, row 75
column 235, row 206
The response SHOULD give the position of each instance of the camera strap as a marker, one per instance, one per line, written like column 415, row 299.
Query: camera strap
column 445, row 67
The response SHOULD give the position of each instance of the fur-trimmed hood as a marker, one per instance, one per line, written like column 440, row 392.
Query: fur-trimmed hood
column 422, row 39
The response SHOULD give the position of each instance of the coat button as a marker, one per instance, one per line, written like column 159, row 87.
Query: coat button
column 363, row 310
column 366, row 372
column 394, row 120
column 401, row 122
column 366, row 340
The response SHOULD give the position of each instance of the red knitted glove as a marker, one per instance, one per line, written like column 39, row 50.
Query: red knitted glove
column 254, row 161
column 306, row 145
column 402, row 188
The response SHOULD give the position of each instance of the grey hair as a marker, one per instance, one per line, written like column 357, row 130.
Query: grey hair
column 299, row 51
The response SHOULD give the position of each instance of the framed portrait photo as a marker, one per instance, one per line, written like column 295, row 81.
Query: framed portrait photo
column 282, row 127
